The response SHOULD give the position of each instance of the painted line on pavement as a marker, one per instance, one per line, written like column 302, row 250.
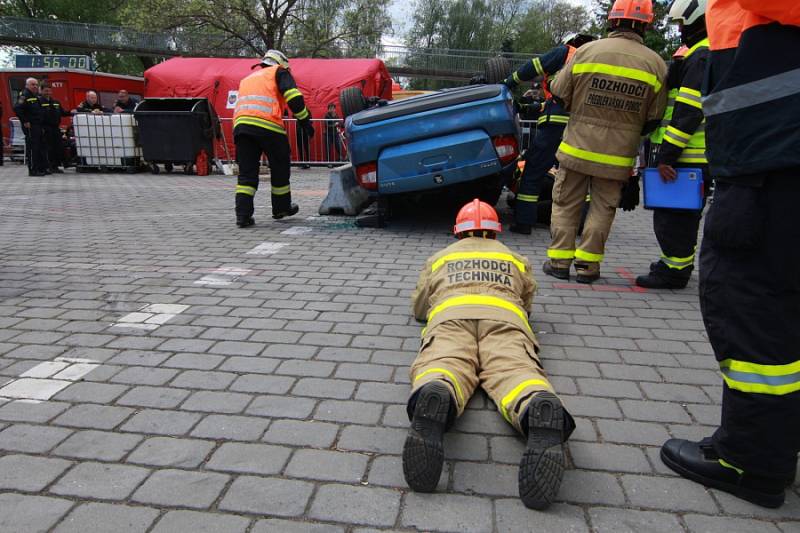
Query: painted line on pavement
column 267, row 248
column 150, row 317
column 222, row 276
column 297, row 230
column 46, row 379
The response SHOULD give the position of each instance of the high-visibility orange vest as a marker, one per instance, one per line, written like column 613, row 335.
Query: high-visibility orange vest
column 260, row 102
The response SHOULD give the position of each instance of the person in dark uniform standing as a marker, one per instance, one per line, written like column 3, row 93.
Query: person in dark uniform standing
column 681, row 143
column 31, row 115
column 258, row 129
column 2, row 139
column 53, row 111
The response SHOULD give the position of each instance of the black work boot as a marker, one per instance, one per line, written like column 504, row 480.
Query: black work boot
column 586, row 273
column 556, row 272
column 542, row 466
column 522, row 229
column 700, row 462
column 293, row 209
column 657, row 281
column 423, row 452
column 244, row 222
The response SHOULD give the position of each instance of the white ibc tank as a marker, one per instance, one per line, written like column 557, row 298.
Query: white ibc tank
column 106, row 140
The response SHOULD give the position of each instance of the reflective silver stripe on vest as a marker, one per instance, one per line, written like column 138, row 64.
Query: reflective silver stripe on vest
column 753, row 93
column 256, row 98
column 255, row 107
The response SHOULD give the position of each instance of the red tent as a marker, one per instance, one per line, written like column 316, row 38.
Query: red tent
column 320, row 80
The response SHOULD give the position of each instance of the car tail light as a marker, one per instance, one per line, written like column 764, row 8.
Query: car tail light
column 367, row 176
column 507, row 148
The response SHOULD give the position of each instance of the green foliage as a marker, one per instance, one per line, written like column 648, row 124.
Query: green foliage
column 547, row 23
column 660, row 37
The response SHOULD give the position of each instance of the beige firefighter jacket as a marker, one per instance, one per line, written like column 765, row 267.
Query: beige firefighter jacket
column 475, row 278
column 611, row 88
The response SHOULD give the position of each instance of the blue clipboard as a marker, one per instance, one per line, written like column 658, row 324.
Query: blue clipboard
column 686, row 192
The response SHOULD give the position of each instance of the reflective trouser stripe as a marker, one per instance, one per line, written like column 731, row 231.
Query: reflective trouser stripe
column 280, row 191
column 596, row 157
column 678, row 263
column 460, row 256
column 753, row 93
column 527, row 197
column 490, row 301
column 447, row 373
column 588, row 256
column 259, row 122
column 614, row 70
column 244, row 189
column 763, row 379
column 553, row 253
column 509, row 398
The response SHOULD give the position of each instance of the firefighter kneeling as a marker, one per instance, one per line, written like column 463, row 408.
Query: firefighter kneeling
column 475, row 295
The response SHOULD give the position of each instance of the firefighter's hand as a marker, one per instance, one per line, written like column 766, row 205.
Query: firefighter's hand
column 308, row 128
column 667, row 173
column 510, row 83
column 630, row 194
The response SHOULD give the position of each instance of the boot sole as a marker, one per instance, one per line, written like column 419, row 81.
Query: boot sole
column 423, row 452
column 541, row 469
column 771, row 501
column 586, row 279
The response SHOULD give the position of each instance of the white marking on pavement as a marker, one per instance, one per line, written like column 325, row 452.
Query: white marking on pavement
column 76, row 371
column 267, row 248
column 150, row 316
column 297, row 230
column 222, row 276
column 44, row 380
column 34, row 388
column 45, row 370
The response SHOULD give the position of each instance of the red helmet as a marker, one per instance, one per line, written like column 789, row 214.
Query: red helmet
column 477, row 216
column 635, row 10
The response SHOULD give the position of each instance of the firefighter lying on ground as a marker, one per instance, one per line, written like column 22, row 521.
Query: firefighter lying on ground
column 475, row 295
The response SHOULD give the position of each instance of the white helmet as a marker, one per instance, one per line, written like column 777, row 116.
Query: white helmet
column 275, row 57
column 687, row 11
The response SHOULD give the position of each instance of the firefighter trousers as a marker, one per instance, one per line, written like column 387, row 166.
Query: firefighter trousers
column 749, row 298
column 569, row 199
column 676, row 232
column 249, row 148
column 35, row 149
column 498, row 356
column 55, row 146
column 540, row 157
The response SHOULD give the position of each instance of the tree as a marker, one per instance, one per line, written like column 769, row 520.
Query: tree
column 547, row 23
column 660, row 37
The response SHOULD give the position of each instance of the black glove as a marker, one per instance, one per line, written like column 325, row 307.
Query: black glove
column 308, row 128
column 630, row 194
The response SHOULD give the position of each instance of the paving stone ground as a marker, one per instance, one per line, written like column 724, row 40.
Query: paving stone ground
column 185, row 384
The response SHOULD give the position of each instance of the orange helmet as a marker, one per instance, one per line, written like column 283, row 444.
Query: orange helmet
column 635, row 10
column 476, row 216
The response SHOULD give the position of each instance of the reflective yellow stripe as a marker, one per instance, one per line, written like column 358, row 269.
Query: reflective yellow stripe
column 244, row 189
column 726, row 464
column 291, row 93
column 449, row 375
column 515, row 77
column 280, row 191
column 614, row 70
column 680, row 134
column 588, row 197
column 702, row 44
column 596, row 157
column 459, row 256
column 490, row 301
column 537, row 64
column 701, row 159
column 552, row 253
column 527, row 197
column 509, row 398
column 588, row 256
column 678, row 263
column 689, row 101
column 302, row 114
column 555, row 119
column 259, row 122
column 690, row 91
column 693, row 155
column 764, row 379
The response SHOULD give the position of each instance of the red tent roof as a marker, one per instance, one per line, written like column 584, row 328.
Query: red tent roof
column 320, row 80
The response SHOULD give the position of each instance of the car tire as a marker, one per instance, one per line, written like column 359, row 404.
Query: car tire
column 352, row 100
column 497, row 69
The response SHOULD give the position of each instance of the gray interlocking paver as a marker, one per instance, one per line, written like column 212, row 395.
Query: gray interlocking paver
column 100, row 481
column 29, row 473
column 181, row 488
column 19, row 512
column 309, row 354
